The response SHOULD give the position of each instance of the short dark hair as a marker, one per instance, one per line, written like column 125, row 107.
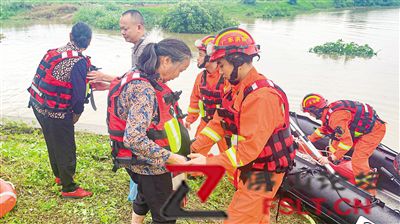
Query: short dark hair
column 240, row 58
column 81, row 34
column 149, row 60
column 135, row 14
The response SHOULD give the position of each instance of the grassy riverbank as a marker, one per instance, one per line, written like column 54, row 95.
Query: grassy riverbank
column 24, row 162
column 103, row 14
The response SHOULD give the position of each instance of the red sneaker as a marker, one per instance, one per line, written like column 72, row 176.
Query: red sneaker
column 78, row 193
column 58, row 181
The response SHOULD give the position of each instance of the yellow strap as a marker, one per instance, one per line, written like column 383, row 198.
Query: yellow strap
column 201, row 109
column 171, row 127
column 318, row 132
column 211, row 134
column 231, row 153
column 87, row 89
column 344, row 146
column 357, row 134
column 332, row 149
column 193, row 110
column 236, row 139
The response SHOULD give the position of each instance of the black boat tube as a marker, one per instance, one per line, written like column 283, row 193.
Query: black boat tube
column 332, row 198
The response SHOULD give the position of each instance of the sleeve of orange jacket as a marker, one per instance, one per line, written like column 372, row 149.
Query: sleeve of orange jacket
column 260, row 114
column 193, row 110
column 317, row 134
column 210, row 135
column 340, row 120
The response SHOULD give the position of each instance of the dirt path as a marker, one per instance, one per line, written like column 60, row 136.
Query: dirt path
column 57, row 13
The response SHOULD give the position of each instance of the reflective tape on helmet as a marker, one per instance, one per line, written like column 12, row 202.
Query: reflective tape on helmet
column 198, row 43
column 344, row 146
column 209, row 48
column 193, row 110
column 211, row 134
column 231, row 153
column 171, row 127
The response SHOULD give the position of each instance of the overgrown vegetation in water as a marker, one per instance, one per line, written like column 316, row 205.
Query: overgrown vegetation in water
column 105, row 14
column 195, row 18
column 24, row 162
column 339, row 48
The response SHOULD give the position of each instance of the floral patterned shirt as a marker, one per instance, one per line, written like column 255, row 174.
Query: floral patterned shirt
column 137, row 104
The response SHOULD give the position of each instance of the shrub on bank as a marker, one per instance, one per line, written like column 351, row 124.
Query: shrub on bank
column 101, row 16
column 10, row 8
column 195, row 18
column 365, row 3
column 347, row 49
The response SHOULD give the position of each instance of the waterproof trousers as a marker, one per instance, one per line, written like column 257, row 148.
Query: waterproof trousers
column 222, row 146
column 59, row 135
column 248, row 204
column 364, row 147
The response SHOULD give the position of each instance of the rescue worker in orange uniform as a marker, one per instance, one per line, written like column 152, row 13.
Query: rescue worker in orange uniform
column 254, row 118
column 207, row 91
column 349, row 124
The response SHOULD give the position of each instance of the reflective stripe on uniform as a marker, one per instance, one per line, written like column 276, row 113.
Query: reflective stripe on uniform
column 231, row 153
column 211, row 134
column 36, row 90
column 344, row 146
column 173, row 134
column 357, row 134
column 193, row 110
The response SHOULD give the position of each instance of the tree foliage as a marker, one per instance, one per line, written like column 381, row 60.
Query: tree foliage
column 195, row 18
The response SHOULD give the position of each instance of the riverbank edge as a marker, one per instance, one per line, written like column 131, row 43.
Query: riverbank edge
column 63, row 13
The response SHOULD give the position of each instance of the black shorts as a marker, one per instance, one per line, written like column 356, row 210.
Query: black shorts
column 153, row 191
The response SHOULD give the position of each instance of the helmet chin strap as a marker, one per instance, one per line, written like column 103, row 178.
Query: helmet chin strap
column 318, row 113
column 206, row 59
column 234, row 75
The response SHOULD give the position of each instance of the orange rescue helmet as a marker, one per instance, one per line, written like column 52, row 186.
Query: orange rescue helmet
column 232, row 40
column 201, row 44
column 313, row 102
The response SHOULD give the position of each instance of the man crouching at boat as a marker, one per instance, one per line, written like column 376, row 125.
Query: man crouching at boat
column 349, row 124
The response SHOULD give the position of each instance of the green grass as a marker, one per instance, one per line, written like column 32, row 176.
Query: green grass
column 24, row 162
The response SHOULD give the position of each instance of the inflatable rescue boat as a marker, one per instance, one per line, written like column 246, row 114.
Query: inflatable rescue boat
column 333, row 197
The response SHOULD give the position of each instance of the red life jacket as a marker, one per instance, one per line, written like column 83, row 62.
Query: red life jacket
column 279, row 151
column 211, row 96
column 363, row 117
column 168, row 108
column 48, row 92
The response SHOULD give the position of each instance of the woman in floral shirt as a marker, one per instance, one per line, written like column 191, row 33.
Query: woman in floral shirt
column 137, row 104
